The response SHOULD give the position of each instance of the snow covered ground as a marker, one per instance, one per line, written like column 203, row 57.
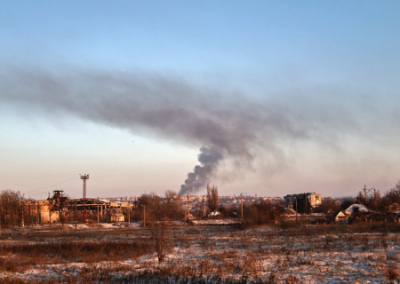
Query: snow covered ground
column 209, row 254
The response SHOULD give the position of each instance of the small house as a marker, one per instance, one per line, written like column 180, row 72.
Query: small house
column 117, row 217
column 355, row 212
column 342, row 217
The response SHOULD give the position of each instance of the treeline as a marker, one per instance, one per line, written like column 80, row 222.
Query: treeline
column 11, row 208
column 151, row 207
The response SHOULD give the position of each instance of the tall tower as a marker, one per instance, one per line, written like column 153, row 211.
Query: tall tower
column 84, row 178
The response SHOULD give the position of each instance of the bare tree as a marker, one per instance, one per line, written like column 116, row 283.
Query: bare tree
column 212, row 197
column 152, row 201
column 329, row 205
column 11, row 207
column 391, row 199
column 159, row 236
column 172, row 207
column 170, row 195
column 394, row 194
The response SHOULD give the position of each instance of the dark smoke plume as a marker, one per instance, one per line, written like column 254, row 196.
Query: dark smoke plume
column 227, row 127
column 196, row 180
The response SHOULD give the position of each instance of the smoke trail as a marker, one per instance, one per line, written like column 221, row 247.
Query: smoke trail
column 166, row 107
column 225, row 126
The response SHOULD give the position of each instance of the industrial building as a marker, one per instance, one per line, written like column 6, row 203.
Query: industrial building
column 311, row 198
column 56, row 209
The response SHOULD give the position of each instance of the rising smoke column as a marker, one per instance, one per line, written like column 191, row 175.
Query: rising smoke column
column 196, row 180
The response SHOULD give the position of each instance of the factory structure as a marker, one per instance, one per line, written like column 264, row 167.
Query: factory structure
column 56, row 209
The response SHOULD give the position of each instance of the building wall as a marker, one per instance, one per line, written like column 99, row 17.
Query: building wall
column 313, row 198
column 117, row 217
column 45, row 217
column 39, row 209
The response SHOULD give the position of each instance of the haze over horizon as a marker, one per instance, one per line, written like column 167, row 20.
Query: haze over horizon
column 257, row 97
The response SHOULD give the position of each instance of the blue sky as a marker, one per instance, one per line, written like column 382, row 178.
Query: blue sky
column 290, row 96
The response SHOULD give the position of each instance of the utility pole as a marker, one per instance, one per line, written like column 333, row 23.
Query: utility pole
column 84, row 178
column 185, row 214
column 186, row 208
column 49, row 214
column 204, row 207
column 23, row 213
column 241, row 207
column 129, row 216
column 98, row 213
column 75, row 214
column 30, row 214
column 305, row 209
column 38, row 213
column 365, row 194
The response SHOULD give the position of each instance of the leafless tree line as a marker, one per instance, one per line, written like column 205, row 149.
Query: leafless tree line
column 153, row 208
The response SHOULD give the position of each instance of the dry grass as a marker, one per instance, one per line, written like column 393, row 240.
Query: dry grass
column 315, row 254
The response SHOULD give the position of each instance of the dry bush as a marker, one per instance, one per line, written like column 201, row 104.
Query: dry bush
column 224, row 256
column 159, row 236
column 250, row 264
column 292, row 279
column 9, row 265
column 392, row 274
column 13, row 280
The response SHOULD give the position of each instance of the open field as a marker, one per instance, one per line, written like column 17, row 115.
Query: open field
column 201, row 254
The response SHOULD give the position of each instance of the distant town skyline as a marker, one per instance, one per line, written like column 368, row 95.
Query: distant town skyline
column 256, row 97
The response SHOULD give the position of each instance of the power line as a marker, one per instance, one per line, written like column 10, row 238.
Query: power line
column 51, row 185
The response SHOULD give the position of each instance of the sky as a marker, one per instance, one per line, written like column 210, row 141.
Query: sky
column 263, row 98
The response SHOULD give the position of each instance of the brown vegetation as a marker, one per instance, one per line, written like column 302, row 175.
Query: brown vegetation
column 209, row 255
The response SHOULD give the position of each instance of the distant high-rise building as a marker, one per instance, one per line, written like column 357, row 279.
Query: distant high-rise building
column 300, row 202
